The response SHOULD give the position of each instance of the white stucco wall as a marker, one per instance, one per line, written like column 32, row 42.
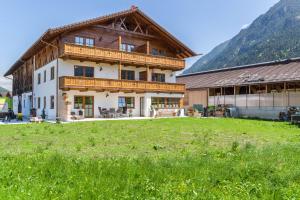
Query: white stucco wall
column 108, row 71
column 45, row 89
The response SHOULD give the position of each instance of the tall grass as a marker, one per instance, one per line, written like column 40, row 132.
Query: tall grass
column 151, row 159
column 245, row 173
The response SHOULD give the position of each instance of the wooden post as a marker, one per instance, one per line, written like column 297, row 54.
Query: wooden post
column 120, row 42
column 234, row 91
column 148, row 74
column 120, row 71
column 285, row 94
column 214, row 96
column 208, row 91
column 181, row 103
column 224, row 93
column 148, row 47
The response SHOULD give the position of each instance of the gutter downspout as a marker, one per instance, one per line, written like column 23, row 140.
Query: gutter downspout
column 57, row 62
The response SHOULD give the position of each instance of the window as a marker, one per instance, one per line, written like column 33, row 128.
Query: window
column 143, row 76
column 52, row 102
column 89, row 42
column 155, row 52
column 78, row 71
column 165, row 103
column 130, row 48
column 78, row 102
column 83, row 71
column 45, row 102
column 156, row 77
column 126, row 102
column 39, row 102
column 39, row 78
column 45, row 76
column 127, row 47
column 158, row 52
column 89, row 72
column 79, row 40
column 52, row 73
column 127, row 75
column 123, row 47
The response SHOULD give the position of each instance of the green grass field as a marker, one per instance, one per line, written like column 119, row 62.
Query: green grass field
column 151, row 159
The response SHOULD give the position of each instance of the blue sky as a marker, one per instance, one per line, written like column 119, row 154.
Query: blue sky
column 200, row 24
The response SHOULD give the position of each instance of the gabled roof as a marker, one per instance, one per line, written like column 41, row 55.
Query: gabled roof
column 269, row 72
column 50, row 34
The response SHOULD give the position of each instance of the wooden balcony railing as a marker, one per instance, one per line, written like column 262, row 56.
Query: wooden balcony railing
column 101, row 54
column 98, row 84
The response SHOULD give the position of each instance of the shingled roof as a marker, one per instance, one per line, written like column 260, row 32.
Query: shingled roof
column 52, row 33
column 270, row 72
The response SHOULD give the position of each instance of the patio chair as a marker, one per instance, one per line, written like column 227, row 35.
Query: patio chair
column 119, row 112
column 105, row 113
column 112, row 113
column 102, row 113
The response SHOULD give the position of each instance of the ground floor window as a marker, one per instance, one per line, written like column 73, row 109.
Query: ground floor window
column 126, row 102
column 39, row 102
column 165, row 103
column 78, row 102
column 52, row 102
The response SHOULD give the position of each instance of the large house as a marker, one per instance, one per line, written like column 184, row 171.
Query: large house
column 260, row 90
column 120, row 61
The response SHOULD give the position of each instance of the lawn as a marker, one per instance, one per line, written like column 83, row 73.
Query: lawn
column 183, row 158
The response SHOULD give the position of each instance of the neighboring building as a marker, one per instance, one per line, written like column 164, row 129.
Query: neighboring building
column 123, row 60
column 261, row 90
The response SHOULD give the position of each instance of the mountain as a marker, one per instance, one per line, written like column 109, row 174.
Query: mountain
column 272, row 36
column 3, row 91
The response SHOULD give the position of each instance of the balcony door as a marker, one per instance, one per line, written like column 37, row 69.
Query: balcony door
column 86, row 103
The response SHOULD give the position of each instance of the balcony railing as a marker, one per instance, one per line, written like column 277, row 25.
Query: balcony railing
column 101, row 54
column 98, row 84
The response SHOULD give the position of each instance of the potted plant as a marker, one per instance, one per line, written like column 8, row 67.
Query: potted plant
column 130, row 113
column 20, row 117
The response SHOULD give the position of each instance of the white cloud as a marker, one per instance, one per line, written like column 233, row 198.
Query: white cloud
column 5, row 83
column 245, row 26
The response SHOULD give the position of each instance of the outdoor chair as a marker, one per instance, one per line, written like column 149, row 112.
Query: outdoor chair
column 105, row 113
column 102, row 113
column 120, row 112
column 112, row 112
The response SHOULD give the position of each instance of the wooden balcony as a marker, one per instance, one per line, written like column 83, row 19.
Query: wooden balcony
column 97, row 54
column 111, row 85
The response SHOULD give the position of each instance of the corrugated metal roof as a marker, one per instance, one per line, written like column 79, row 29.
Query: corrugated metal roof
column 277, row 71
